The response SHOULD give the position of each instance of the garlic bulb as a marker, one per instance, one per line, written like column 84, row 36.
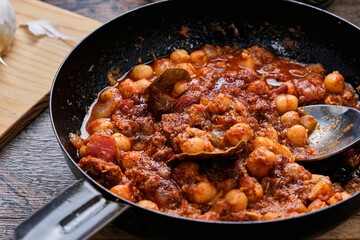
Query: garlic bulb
column 7, row 27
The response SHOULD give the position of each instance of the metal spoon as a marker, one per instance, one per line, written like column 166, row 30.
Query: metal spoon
column 338, row 129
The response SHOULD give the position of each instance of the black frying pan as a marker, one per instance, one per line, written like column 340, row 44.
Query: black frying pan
column 288, row 29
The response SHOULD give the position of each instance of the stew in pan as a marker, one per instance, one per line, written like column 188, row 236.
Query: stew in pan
column 158, row 147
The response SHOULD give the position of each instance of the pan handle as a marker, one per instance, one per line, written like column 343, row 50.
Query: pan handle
column 77, row 213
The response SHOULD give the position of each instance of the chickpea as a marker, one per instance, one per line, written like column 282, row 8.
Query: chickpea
column 122, row 142
column 128, row 88
column 318, row 177
column 290, row 119
column 272, row 215
column 188, row 67
column 261, row 162
column 252, row 188
column 179, row 88
column 82, row 151
column 238, row 132
column 286, row 102
column 334, row 82
column 320, row 190
column 292, row 169
column 263, row 142
column 226, row 49
column 296, row 171
column 148, row 204
column 141, row 71
column 255, row 193
column 211, row 51
column 338, row 197
column 198, row 57
column 193, row 145
column 131, row 159
column 143, row 84
column 272, row 134
column 297, row 135
column 246, row 60
column 179, row 56
column 259, row 87
column 283, row 151
column 291, row 88
column 104, row 110
column 316, row 205
column 161, row 65
column 269, row 132
column 205, row 70
column 141, row 145
column 100, row 125
column 237, row 199
column 76, row 140
column 203, row 192
column 109, row 93
column 123, row 191
column 309, row 122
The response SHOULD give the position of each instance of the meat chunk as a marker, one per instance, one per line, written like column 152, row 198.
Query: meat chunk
column 172, row 123
column 310, row 89
column 106, row 173
column 186, row 100
column 152, row 178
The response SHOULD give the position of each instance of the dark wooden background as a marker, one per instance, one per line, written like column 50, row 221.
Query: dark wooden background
column 32, row 168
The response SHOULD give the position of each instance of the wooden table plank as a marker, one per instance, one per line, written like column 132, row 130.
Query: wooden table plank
column 32, row 169
column 33, row 62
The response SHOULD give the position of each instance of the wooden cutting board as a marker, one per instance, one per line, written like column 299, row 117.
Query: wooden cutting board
column 32, row 64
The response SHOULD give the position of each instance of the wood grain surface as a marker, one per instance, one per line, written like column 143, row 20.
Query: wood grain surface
column 33, row 62
column 32, row 168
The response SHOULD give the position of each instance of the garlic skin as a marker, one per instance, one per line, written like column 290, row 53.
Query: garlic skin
column 43, row 27
column 7, row 27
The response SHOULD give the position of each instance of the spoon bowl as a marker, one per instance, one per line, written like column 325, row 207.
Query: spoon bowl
column 337, row 129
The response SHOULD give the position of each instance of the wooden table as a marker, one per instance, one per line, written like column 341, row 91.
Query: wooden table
column 32, row 168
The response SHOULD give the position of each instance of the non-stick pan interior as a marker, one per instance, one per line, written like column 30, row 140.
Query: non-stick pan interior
column 287, row 29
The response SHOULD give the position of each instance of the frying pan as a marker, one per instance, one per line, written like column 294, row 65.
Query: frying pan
column 288, row 29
